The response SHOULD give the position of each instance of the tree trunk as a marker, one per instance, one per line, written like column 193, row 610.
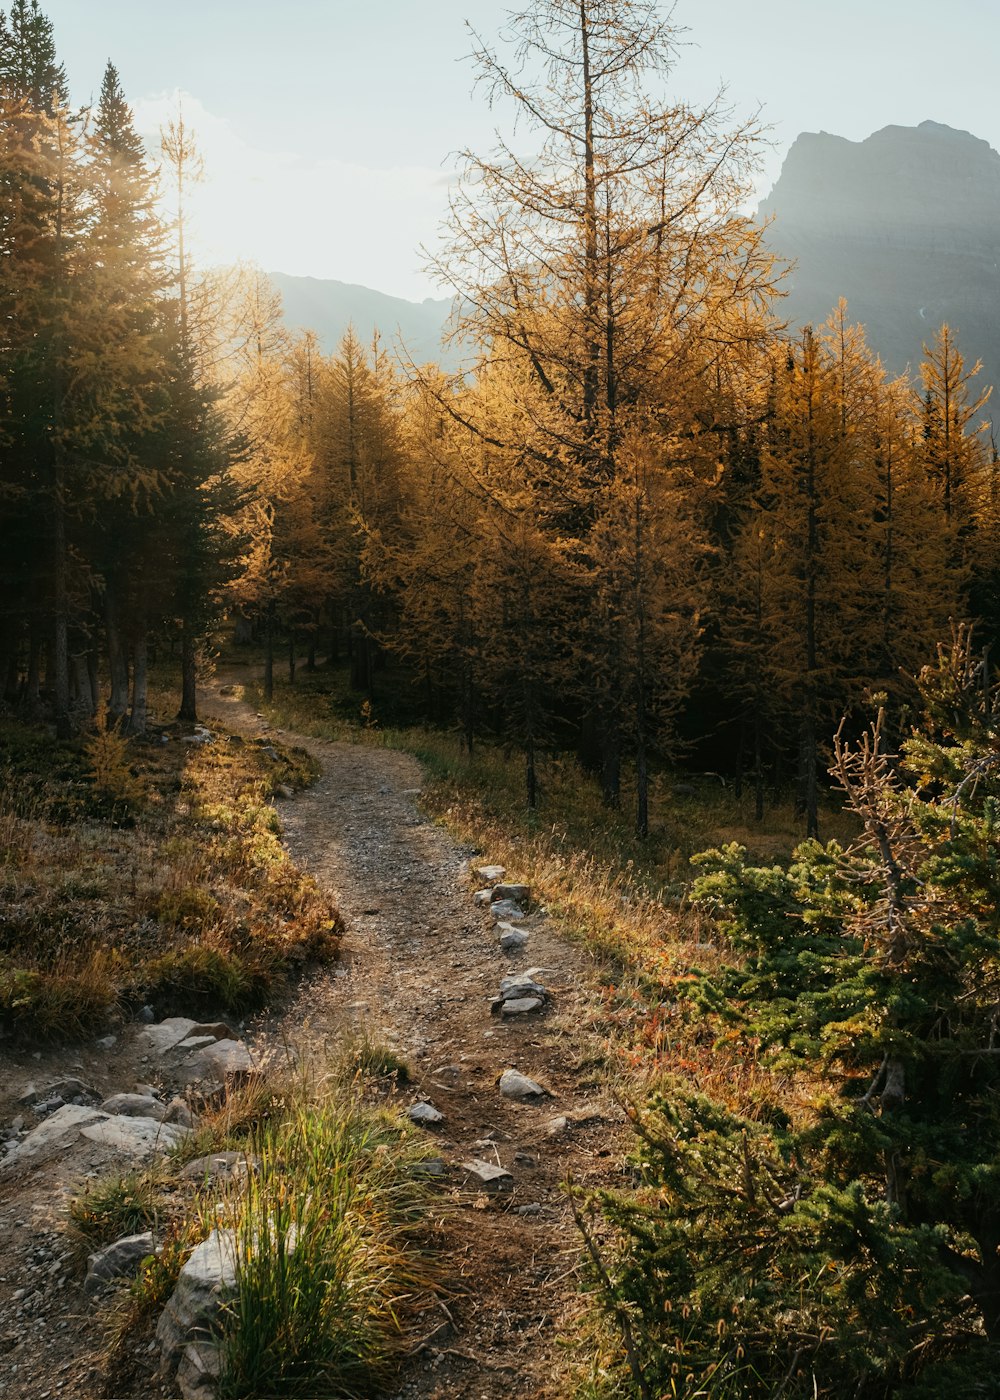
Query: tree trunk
column 60, row 607
column 531, row 777
column 138, row 716
column 117, row 658
column 269, row 653
column 611, row 768
column 33, row 683
column 188, row 711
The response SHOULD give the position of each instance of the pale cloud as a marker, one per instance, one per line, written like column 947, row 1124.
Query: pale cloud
column 291, row 213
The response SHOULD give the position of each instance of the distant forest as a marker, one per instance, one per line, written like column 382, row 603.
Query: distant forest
column 652, row 524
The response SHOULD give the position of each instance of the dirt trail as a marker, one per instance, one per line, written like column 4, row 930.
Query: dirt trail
column 420, row 965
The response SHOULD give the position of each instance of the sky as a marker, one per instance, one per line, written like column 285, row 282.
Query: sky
column 329, row 128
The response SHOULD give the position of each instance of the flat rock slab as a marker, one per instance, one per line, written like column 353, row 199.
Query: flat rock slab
column 223, row 1059
column 520, row 1006
column 117, row 1260
column 171, row 1033
column 490, row 874
column 138, row 1138
column 135, row 1106
column 488, row 1176
column 58, row 1130
column 505, row 911
column 515, row 1085
column 166, row 1034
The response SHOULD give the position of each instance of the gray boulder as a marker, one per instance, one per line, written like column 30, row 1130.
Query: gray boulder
column 58, row 1130
column 520, row 894
column 116, row 1260
column 512, row 940
column 490, row 874
column 199, row 1370
column 138, row 1138
column 505, row 911
column 204, row 1285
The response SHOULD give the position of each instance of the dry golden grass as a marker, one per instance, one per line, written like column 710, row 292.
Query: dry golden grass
column 144, row 871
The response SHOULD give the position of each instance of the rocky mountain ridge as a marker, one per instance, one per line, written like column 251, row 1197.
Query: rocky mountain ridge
column 906, row 226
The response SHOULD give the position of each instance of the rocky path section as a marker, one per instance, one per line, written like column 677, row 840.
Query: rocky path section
column 424, row 971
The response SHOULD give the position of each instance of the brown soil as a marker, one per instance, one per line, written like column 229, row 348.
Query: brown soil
column 419, row 966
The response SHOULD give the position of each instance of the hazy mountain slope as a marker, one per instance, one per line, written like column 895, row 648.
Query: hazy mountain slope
column 906, row 226
column 328, row 308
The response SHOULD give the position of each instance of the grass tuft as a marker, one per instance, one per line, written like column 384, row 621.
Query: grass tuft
column 327, row 1262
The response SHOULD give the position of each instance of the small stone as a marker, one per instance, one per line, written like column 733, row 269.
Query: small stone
column 489, row 1176
column 148, row 1091
column 512, row 940
column 521, row 984
column 178, row 1112
column 424, row 1113
column 525, row 1159
column 490, row 874
column 520, row 1006
column 555, row 1127
column 115, row 1260
column 482, row 898
column 529, row 1210
column 506, row 911
column 218, row 1166
column 106, row 1042
column 134, row 1106
column 520, row 894
column 514, row 1085
column 147, row 1016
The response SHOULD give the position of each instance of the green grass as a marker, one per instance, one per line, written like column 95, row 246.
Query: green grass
column 327, row 1258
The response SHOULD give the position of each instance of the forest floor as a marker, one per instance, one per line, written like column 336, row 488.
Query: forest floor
column 419, row 965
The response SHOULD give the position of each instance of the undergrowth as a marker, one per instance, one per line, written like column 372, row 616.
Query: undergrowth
column 147, row 871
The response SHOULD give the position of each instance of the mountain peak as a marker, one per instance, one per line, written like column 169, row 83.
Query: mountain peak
column 906, row 225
